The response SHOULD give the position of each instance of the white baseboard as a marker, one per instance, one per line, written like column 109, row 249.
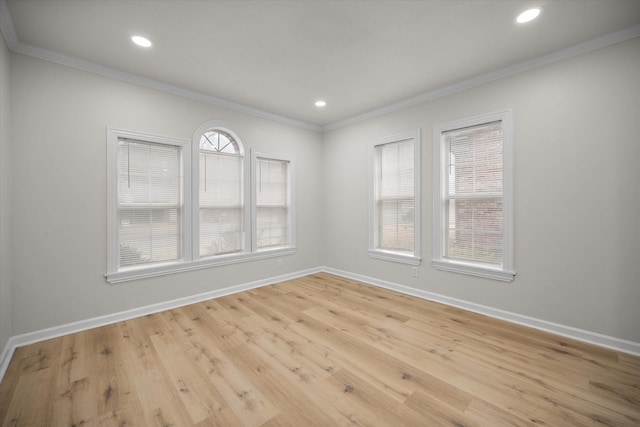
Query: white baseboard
column 601, row 340
column 82, row 325
column 613, row 343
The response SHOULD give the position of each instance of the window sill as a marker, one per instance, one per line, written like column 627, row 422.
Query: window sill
column 474, row 270
column 395, row 257
column 178, row 267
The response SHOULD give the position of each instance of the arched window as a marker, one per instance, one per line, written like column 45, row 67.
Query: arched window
column 175, row 209
column 221, row 212
column 218, row 141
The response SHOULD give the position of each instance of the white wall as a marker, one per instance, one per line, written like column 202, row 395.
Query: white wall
column 5, row 197
column 59, row 116
column 577, row 193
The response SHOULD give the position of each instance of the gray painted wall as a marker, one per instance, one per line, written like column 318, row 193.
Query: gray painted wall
column 577, row 193
column 59, row 119
column 5, row 197
column 577, row 198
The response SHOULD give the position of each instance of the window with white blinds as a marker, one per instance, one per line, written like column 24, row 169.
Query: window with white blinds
column 221, row 212
column 395, row 199
column 474, row 217
column 272, row 202
column 147, row 213
column 149, row 202
column 167, row 213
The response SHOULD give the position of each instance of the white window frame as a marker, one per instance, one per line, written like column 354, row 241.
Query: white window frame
column 190, row 232
column 247, row 219
column 374, row 251
column 291, row 217
column 506, row 271
column 114, row 273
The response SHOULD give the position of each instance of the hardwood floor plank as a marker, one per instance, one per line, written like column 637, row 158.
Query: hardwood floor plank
column 366, row 404
column 320, row 350
column 283, row 386
column 36, row 371
column 160, row 403
column 246, row 401
column 201, row 401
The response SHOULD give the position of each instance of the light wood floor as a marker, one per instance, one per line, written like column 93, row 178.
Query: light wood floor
column 318, row 351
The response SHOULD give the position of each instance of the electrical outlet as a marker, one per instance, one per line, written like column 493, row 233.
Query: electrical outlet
column 414, row 272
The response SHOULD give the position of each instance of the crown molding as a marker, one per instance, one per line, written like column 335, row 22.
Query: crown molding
column 14, row 45
column 92, row 67
column 520, row 67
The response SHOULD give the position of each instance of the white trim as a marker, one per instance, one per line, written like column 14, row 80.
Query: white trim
column 395, row 257
column 375, row 252
column 601, row 340
column 11, row 38
column 506, row 272
column 8, row 30
column 82, row 325
column 94, row 68
column 474, row 270
column 479, row 80
column 595, row 338
column 291, row 200
column 180, row 267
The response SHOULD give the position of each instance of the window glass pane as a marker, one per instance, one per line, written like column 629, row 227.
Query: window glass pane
column 395, row 216
column 220, row 230
column 473, row 210
column 149, row 203
column 148, row 173
column 272, row 203
column 271, row 225
column 219, row 142
column 474, row 159
column 396, row 224
column 474, row 230
column 396, row 169
column 220, row 194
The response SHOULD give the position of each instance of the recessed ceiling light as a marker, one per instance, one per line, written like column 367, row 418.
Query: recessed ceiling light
column 320, row 103
column 528, row 15
column 141, row 41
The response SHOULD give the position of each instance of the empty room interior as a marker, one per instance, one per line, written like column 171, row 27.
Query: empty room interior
column 289, row 213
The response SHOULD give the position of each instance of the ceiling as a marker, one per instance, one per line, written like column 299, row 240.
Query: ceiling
column 281, row 56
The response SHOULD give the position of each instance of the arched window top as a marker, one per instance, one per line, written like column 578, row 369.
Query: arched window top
column 219, row 141
column 218, row 137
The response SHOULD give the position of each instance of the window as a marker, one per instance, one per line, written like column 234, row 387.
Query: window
column 394, row 210
column 171, row 208
column 220, row 195
column 147, row 225
column 472, row 206
column 272, row 202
